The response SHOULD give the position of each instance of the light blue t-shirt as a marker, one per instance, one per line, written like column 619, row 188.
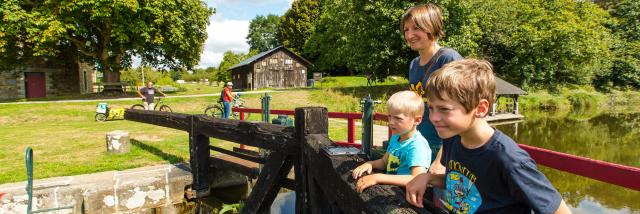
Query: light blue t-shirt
column 417, row 81
column 408, row 153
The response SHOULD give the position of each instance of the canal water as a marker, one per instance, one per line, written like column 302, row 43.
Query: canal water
column 611, row 137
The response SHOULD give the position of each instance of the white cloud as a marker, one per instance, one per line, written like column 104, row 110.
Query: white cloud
column 224, row 35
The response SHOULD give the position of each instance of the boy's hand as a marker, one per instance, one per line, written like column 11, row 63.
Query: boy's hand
column 360, row 170
column 366, row 182
column 416, row 188
column 437, row 168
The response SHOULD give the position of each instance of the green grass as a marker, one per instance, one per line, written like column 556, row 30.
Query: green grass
column 67, row 141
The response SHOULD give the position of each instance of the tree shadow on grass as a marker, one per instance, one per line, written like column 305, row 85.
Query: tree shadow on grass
column 376, row 91
column 157, row 152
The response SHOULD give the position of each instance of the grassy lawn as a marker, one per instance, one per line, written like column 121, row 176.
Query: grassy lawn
column 67, row 141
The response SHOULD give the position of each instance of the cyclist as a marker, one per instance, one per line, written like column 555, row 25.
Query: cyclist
column 147, row 94
column 227, row 96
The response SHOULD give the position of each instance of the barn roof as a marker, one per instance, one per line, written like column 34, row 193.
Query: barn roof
column 506, row 88
column 266, row 53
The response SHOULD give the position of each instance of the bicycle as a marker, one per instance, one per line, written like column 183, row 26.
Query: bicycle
column 104, row 112
column 217, row 109
column 159, row 102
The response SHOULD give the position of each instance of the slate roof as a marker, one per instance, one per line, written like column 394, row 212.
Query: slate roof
column 506, row 88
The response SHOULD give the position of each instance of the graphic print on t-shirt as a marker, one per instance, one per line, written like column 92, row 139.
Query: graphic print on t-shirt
column 393, row 164
column 417, row 88
column 461, row 195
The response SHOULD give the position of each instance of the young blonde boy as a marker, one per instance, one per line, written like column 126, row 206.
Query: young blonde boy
column 485, row 170
column 408, row 153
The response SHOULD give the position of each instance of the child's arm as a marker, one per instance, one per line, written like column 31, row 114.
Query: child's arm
column 379, row 164
column 398, row 180
column 415, row 188
column 563, row 208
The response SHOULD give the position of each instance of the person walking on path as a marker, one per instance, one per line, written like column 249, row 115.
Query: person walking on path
column 423, row 26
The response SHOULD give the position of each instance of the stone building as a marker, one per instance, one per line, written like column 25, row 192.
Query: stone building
column 42, row 77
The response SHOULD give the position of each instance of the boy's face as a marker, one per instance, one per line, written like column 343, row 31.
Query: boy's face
column 401, row 123
column 449, row 117
column 415, row 37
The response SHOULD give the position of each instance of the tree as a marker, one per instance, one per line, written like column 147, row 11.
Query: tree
column 164, row 33
column 544, row 43
column 263, row 33
column 297, row 24
column 625, row 71
column 365, row 36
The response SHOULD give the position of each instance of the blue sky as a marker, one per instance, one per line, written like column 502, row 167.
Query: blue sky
column 229, row 26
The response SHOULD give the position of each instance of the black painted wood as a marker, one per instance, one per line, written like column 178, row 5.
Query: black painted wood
column 256, row 134
column 166, row 119
column 252, row 158
column 264, row 192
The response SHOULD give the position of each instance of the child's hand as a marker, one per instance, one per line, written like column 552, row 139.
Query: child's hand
column 360, row 170
column 416, row 188
column 437, row 168
column 366, row 182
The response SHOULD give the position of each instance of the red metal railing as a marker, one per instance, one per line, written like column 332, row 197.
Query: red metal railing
column 621, row 175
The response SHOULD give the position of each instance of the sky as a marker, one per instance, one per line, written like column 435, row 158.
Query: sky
column 229, row 26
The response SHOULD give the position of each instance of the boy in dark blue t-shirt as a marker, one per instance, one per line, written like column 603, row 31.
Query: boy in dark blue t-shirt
column 486, row 171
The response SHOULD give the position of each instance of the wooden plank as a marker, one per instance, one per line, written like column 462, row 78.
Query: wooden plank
column 333, row 176
column 227, row 162
column 166, row 119
column 262, row 195
column 308, row 121
column 199, row 163
column 256, row 159
column 256, row 134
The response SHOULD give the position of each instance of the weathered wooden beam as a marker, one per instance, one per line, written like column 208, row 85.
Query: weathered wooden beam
column 224, row 162
column 309, row 120
column 257, row 134
column 332, row 175
column 264, row 192
column 199, row 161
column 251, row 158
column 167, row 119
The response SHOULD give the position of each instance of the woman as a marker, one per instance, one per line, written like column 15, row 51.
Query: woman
column 422, row 26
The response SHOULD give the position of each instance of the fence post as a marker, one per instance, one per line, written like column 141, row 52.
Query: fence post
column 367, row 126
column 199, row 159
column 351, row 130
column 266, row 99
column 309, row 120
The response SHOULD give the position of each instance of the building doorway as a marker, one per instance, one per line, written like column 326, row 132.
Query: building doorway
column 35, row 84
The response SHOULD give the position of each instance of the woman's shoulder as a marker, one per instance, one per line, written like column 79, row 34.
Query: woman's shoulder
column 451, row 54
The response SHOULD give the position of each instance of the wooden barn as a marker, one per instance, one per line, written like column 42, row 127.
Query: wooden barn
column 275, row 68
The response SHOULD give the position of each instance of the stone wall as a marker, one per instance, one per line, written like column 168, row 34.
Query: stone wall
column 11, row 85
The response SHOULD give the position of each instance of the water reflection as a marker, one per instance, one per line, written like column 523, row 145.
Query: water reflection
column 611, row 137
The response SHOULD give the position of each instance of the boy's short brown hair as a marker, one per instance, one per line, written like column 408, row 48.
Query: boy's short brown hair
column 407, row 102
column 466, row 81
column 427, row 17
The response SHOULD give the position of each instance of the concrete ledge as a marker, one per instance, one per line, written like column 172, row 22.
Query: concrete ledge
column 134, row 190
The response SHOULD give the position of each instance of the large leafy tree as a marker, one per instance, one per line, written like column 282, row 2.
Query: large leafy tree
column 545, row 43
column 625, row 71
column 107, row 33
column 365, row 36
column 263, row 32
column 297, row 24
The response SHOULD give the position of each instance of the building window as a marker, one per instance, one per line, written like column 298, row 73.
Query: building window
column 264, row 63
column 273, row 61
column 288, row 61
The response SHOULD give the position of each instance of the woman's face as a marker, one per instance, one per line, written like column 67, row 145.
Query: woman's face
column 416, row 38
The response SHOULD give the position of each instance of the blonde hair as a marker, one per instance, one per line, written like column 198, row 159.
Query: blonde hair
column 466, row 81
column 427, row 17
column 407, row 102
